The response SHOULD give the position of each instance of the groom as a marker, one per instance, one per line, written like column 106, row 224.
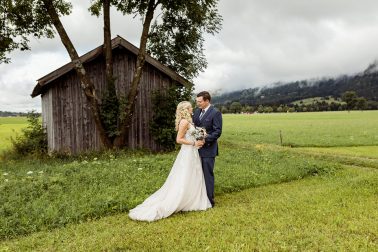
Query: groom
column 208, row 117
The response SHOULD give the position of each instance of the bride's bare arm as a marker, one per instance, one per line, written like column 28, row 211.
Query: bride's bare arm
column 183, row 127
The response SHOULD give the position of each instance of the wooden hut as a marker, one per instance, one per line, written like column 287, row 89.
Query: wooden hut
column 66, row 114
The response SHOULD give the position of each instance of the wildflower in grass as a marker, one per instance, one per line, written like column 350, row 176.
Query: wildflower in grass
column 40, row 172
column 139, row 169
column 29, row 173
column 258, row 146
column 95, row 159
column 6, row 180
column 5, row 174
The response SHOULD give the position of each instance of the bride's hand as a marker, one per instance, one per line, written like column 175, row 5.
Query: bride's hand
column 201, row 142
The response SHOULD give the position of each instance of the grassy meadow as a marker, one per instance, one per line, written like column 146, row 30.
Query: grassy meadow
column 317, row 213
column 312, row 100
column 9, row 126
column 315, row 129
column 317, row 192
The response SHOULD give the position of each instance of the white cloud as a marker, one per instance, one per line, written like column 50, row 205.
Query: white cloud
column 18, row 80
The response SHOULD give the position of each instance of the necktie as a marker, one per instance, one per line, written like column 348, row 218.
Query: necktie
column 202, row 113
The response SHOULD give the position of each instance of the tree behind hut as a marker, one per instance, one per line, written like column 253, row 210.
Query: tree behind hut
column 176, row 40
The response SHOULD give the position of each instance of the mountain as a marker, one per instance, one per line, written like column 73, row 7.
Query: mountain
column 365, row 84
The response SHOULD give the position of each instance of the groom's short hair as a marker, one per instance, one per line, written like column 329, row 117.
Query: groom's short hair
column 205, row 95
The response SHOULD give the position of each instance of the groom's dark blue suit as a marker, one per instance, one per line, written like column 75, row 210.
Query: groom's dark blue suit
column 212, row 122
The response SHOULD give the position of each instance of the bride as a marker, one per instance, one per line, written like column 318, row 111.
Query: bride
column 184, row 189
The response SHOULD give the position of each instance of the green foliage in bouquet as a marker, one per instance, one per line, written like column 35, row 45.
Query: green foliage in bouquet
column 162, row 126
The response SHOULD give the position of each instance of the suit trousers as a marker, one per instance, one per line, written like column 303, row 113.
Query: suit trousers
column 208, row 172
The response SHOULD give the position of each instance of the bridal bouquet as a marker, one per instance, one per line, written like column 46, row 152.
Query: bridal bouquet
column 199, row 133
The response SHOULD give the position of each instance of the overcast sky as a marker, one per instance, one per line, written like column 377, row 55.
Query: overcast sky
column 261, row 42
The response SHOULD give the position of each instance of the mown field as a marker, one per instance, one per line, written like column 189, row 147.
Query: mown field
column 9, row 127
column 320, row 195
column 315, row 129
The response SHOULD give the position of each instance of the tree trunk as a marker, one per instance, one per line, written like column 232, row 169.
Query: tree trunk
column 107, row 42
column 133, row 92
column 86, row 83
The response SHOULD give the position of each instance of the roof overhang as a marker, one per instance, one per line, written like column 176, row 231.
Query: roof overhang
column 43, row 83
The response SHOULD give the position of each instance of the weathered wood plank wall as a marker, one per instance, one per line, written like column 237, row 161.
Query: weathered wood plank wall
column 66, row 114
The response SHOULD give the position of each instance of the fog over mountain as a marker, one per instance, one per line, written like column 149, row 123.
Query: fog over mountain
column 365, row 84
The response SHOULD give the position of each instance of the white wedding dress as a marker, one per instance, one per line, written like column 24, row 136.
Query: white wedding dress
column 184, row 189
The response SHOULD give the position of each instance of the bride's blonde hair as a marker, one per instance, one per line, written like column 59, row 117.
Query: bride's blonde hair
column 182, row 112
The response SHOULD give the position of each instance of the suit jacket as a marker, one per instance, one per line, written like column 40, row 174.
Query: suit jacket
column 212, row 122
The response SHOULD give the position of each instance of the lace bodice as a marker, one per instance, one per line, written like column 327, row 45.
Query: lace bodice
column 189, row 133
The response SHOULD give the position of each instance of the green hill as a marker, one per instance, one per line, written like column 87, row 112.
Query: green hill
column 328, row 100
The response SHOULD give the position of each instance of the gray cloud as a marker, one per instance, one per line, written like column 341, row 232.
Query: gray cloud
column 269, row 41
column 261, row 42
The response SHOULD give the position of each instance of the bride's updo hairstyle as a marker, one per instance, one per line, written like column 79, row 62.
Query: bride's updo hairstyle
column 182, row 112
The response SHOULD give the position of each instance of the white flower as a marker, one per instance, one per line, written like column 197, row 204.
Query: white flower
column 5, row 173
column 29, row 172
column 95, row 159
column 199, row 133
column 139, row 169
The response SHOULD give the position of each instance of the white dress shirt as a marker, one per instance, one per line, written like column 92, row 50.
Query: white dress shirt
column 206, row 108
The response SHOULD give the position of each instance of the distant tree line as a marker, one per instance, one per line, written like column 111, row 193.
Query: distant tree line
column 349, row 101
column 8, row 114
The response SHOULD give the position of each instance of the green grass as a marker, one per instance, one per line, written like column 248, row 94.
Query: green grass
column 364, row 156
column 9, row 127
column 57, row 192
column 322, row 213
column 317, row 129
column 325, row 208
column 359, row 151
